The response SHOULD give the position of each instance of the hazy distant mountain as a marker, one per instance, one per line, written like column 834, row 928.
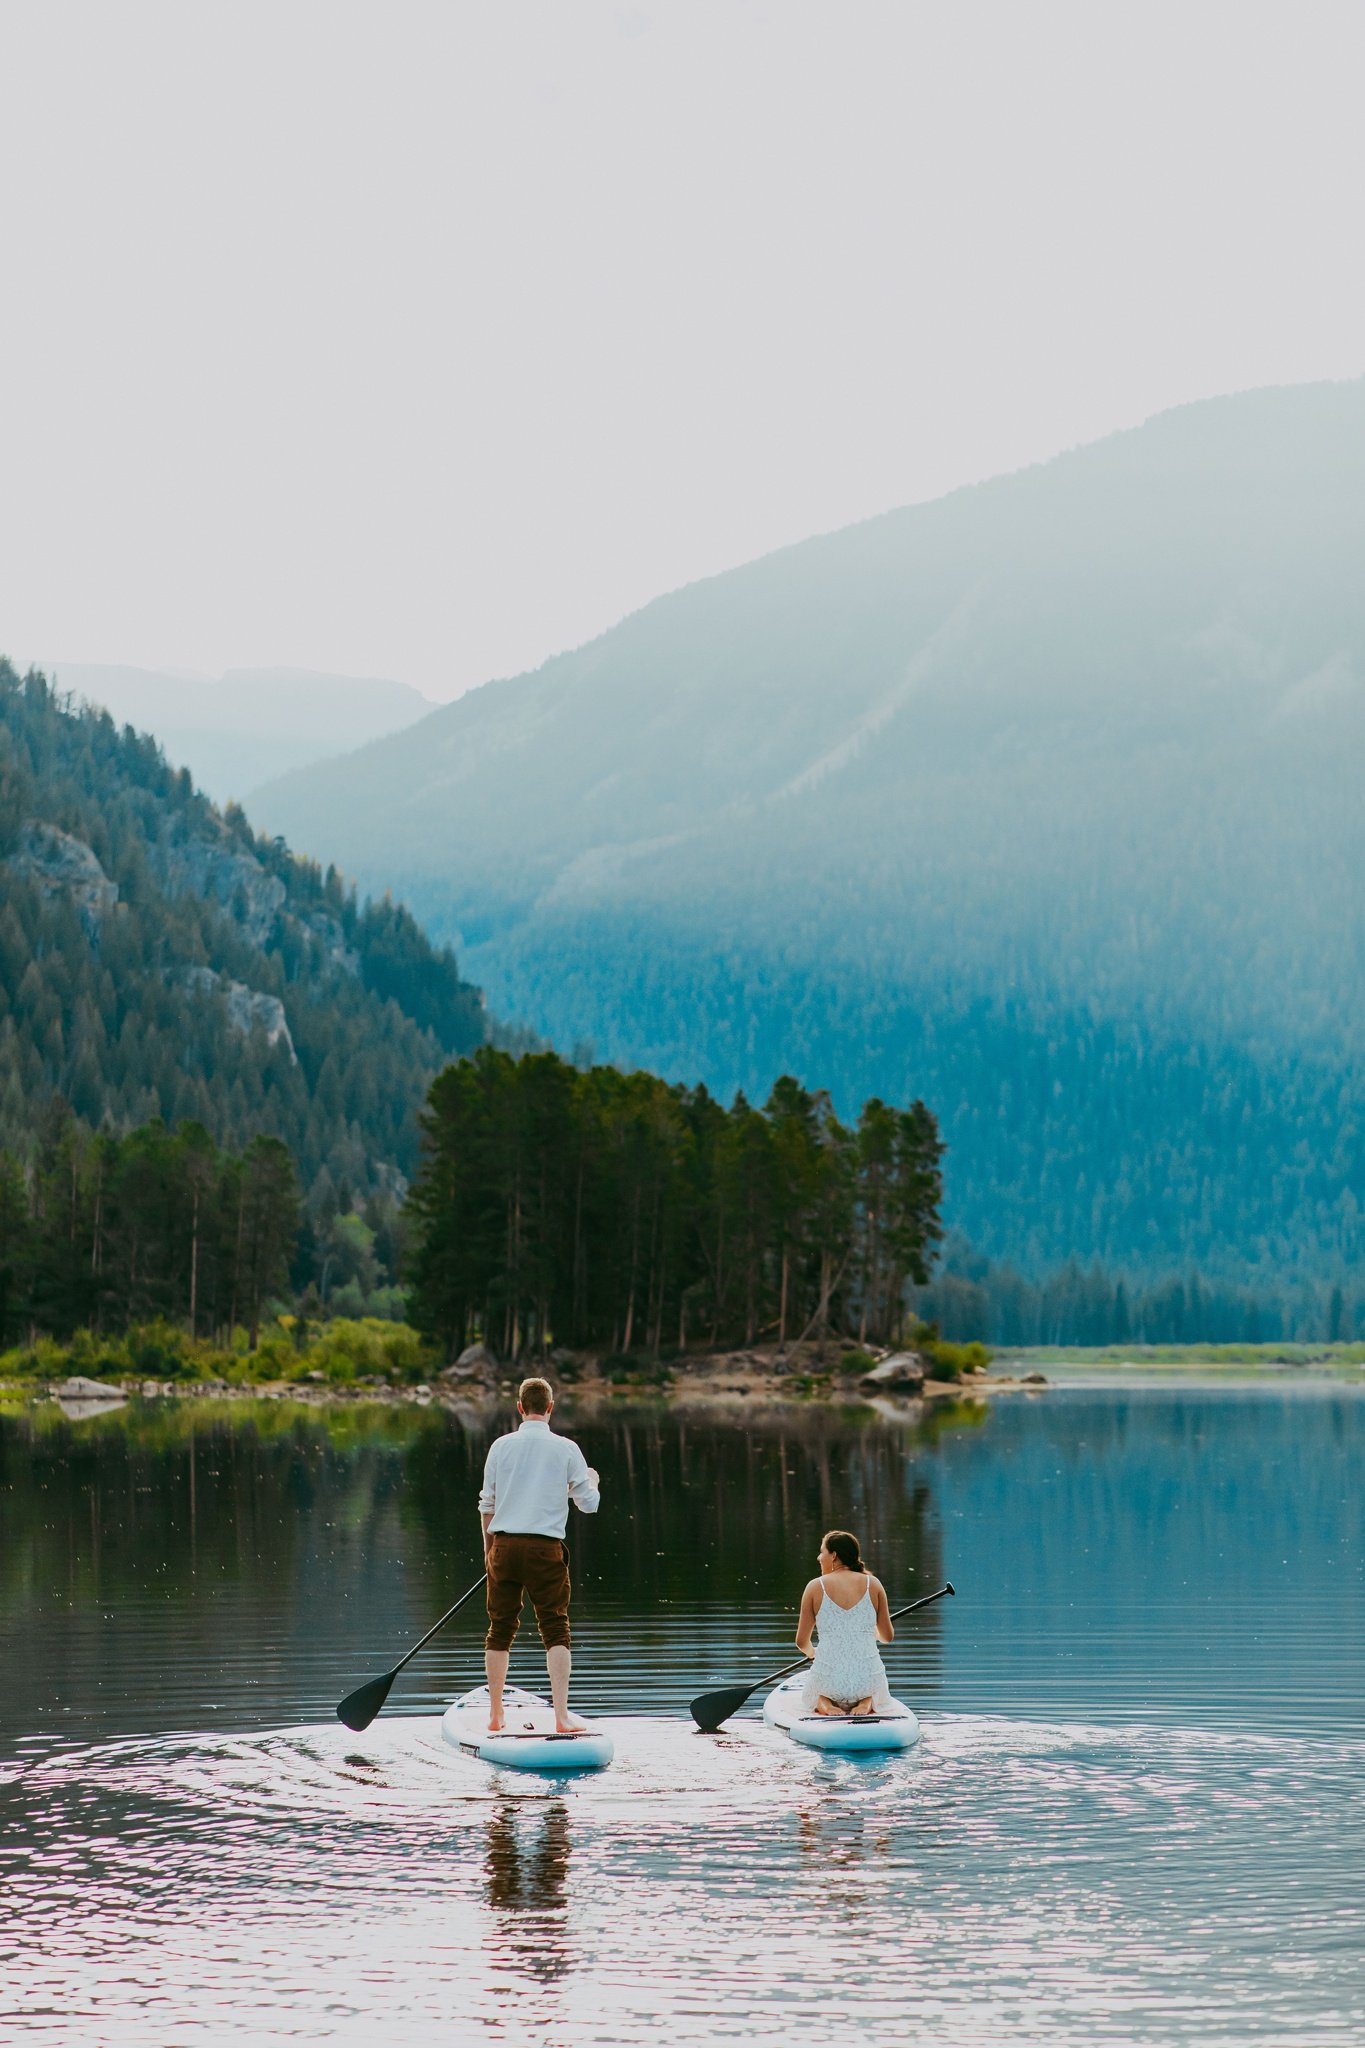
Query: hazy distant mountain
column 1042, row 801
column 250, row 725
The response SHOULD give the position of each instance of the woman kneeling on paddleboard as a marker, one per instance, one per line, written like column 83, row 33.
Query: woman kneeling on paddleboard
column 849, row 1609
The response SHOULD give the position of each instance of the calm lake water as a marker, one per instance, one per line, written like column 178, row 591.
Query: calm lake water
column 1135, row 1814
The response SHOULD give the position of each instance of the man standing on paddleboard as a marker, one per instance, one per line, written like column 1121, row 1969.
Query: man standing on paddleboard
column 528, row 1482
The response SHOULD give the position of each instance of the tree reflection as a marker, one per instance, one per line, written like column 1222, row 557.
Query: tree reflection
column 333, row 1531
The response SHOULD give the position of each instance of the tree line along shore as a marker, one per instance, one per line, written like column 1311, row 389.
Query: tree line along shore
column 606, row 1217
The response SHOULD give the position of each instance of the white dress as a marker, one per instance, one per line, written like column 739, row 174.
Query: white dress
column 847, row 1666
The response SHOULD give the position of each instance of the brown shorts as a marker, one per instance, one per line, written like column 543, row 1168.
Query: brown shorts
column 538, row 1565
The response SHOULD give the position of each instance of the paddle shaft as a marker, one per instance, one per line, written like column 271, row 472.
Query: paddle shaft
column 435, row 1625
column 787, row 1669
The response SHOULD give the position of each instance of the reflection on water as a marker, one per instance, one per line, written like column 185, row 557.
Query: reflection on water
column 1011, row 1881
column 527, row 1863
column 264, row 1556
column 1134, row 1814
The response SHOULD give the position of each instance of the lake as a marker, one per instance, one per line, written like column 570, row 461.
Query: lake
column 1135, row 1814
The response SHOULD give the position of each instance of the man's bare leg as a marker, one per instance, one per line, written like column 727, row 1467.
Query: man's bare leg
column 559, row 1663
column 495, row 1663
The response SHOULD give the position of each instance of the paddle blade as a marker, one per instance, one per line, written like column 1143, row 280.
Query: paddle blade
column 711, row 1708
column 359, row 1708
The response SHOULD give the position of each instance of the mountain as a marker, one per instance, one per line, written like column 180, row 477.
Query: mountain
column 1041, row 802
column 158, row 959
column 249, row 725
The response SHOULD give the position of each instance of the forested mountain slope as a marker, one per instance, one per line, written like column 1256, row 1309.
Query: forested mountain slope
column 158, row 959
column 1041, row 802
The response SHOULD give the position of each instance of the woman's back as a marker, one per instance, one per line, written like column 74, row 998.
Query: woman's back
column 847, row 1665
column 846, row 1591
column 844, row 1615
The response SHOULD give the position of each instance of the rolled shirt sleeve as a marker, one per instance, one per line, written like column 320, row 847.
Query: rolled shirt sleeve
column 582, row 1492
column 488, row 1492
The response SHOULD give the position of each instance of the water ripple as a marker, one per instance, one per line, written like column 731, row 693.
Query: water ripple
column 1009, row 1881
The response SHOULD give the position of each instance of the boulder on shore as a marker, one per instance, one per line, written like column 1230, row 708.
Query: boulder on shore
column 901, row 1373
column 79, row 1388
column 81, row 1399
column 475, row 1362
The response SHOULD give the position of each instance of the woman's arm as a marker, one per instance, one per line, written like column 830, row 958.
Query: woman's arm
column 885, row 1630
column 805, row 1627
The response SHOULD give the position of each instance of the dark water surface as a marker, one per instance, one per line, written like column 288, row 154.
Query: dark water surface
column 1135, row 1814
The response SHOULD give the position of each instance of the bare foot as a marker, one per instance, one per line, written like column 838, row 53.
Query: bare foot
column 495, row 1722
column 570, row 1725
column 863, row 1707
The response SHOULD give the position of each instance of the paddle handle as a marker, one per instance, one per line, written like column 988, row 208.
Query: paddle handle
column 787, row 1669
column 438, row 1624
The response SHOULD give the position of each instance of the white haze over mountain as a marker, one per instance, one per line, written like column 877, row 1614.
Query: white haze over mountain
column 428, row 341
column 249, row 725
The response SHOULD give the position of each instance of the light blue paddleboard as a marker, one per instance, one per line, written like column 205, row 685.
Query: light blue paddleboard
column 898, row 1728
column 528, row 1741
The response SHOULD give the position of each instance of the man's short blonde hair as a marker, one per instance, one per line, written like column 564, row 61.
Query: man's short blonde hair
column 536, row 1396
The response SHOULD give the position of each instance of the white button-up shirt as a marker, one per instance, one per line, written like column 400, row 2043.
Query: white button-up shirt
column 530, row 1478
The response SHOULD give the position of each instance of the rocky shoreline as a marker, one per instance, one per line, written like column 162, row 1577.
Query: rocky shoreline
column 898, row 1379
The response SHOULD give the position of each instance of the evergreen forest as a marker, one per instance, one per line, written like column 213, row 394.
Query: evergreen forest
column 974, row 1297
column 110, row 1232
column 160, row 961
column 553, row 1207
column 596, row 1208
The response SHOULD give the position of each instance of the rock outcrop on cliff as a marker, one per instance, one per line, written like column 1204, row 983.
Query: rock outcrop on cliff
column 208, row 865
column 248, row 1009
column 63, row 865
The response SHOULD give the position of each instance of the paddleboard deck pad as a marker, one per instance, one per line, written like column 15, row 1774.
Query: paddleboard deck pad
column 896, row 1729
column 527, row 1741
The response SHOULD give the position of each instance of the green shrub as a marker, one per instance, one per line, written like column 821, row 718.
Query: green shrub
column 635, row 1367
column 389, row 1303
column 954, row 1361
column 807, row 1385
column 856, row 1361
column 45, row 1360
column 618, row 1366
column 289, row 1349
column 160, row 1351
column 351, row 1348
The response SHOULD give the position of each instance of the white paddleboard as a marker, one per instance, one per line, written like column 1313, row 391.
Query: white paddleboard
column 528, row 1741
column 898, row 1728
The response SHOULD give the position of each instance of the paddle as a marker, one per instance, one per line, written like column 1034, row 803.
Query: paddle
column 359, row 1708
column 714, row 1707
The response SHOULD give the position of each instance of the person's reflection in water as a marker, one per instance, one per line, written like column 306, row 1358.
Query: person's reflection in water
column 527, row 1869
column 837, row 1837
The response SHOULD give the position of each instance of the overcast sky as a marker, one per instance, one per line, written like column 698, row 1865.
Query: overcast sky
column 426, row 340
